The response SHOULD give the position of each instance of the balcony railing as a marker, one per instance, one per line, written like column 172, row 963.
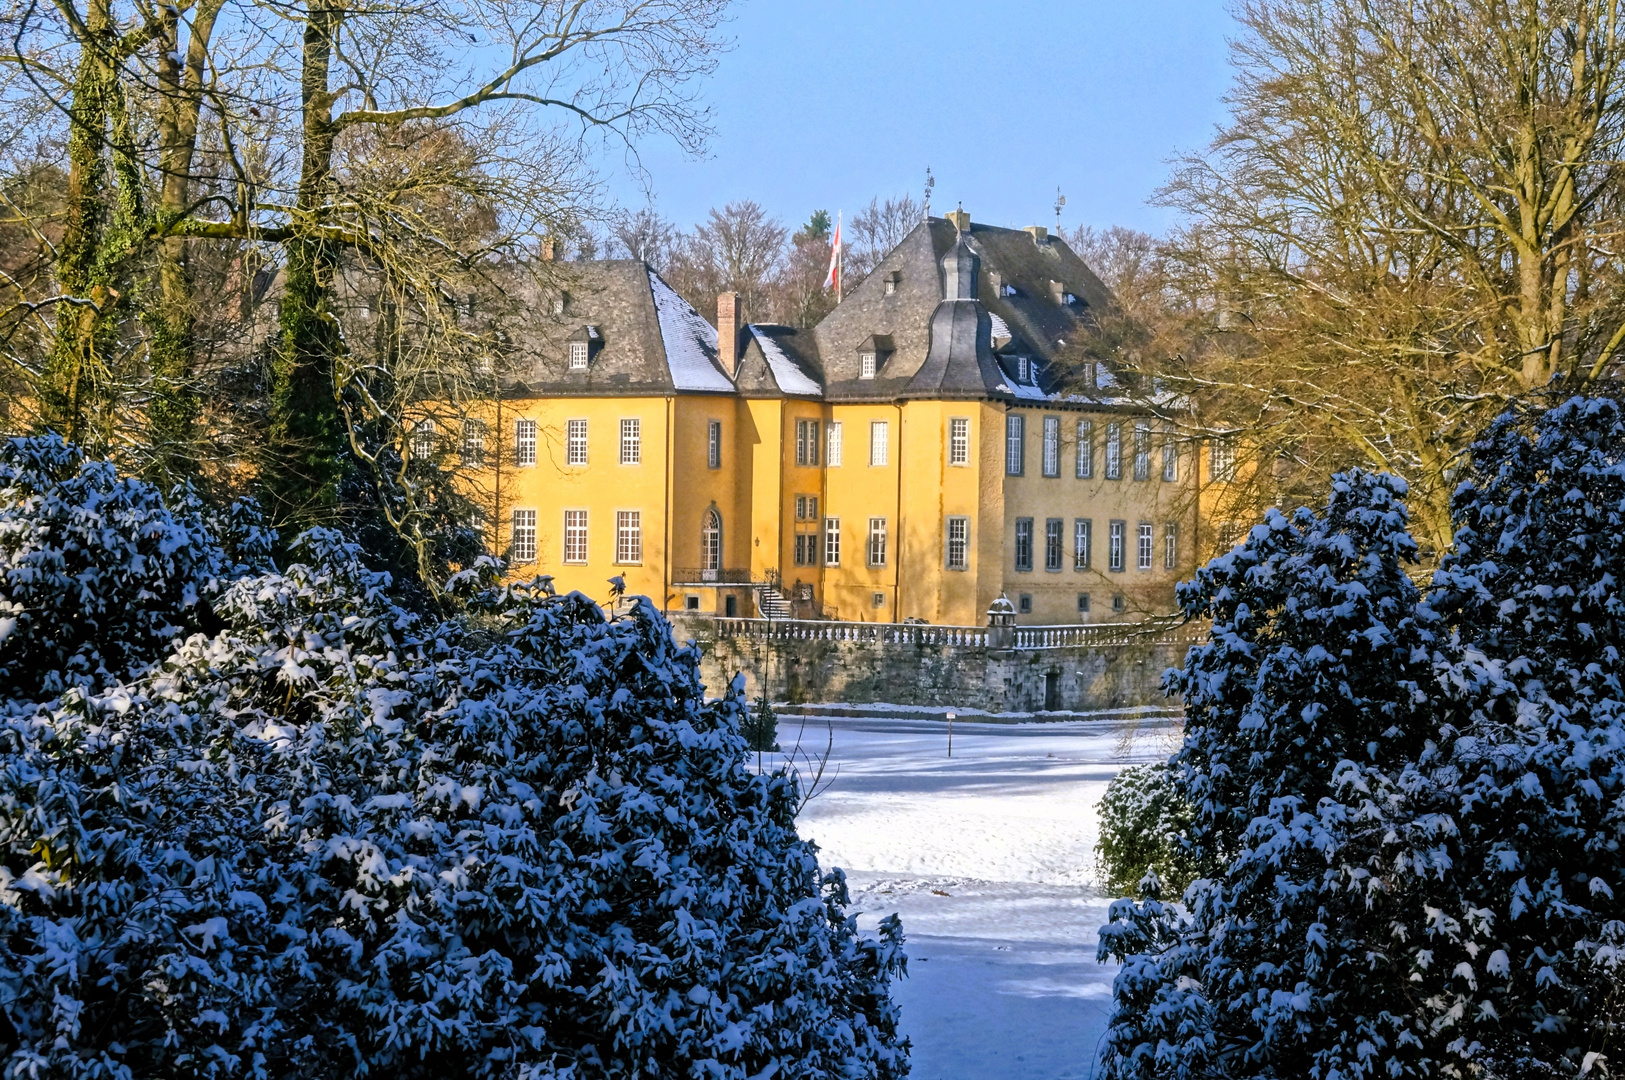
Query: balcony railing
column 1069, row 636
column 689, row 575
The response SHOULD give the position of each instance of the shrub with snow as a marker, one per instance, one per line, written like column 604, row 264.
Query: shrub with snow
column 337, row 838
column 1143, row 823
column 1409, row 811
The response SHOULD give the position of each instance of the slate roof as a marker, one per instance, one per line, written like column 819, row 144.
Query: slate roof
column 1015, row 313
column 963, row 309
column 650, row 340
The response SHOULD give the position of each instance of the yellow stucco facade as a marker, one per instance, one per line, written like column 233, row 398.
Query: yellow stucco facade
column 914, row 456
column 697, row 501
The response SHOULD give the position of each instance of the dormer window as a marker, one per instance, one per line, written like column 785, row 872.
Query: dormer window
column 872, row 353
column 892, row 280
column 1008, row 290
column 560, row 302
column 1024, row 369
column 581, row 346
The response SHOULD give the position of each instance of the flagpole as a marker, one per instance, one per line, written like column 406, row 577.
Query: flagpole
column 840, row 259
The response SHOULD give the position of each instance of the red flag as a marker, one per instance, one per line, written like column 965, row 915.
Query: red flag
column 833, row 281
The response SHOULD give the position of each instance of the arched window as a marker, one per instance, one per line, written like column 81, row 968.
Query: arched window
column 711, row 541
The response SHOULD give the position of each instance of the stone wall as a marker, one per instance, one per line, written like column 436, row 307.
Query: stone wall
column 1081, row 678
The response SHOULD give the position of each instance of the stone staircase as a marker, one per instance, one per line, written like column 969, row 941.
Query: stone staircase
column 770, row 602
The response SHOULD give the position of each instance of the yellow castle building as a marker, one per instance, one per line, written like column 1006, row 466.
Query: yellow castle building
column 914, row 456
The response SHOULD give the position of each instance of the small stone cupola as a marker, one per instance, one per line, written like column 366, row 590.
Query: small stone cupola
column 1001, row 624
column 730, row 327
column 960, row 268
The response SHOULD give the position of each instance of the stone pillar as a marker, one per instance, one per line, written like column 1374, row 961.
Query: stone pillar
column 1001, row 624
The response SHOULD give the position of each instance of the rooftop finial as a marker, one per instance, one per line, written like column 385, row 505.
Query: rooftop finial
column 1060, row 201
column 930, row 185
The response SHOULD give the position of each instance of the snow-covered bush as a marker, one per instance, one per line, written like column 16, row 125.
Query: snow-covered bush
column 1143, row 823
column 97, row 575
column 337, row 838
column 1409, row 812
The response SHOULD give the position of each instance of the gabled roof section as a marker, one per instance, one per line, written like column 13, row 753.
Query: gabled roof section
column 690, row 342
column 772, row 362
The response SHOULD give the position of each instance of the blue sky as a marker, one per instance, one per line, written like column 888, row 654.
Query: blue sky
column 823, row 104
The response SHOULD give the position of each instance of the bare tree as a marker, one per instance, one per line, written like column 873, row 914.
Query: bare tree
column 878, row 228
column 310, row 143
column 643, row 235
column 737, row 248
column 1410, row 219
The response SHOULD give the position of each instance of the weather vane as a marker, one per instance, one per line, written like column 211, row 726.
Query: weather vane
column 930, row 182
column 1060, row 201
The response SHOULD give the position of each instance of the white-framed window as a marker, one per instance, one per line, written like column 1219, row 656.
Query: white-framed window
column 1024, row 543
column 575, row 442
column 879, row 442
column 1015, row 444
column 1170, row 545
column 877, row 541
column 575, row 536
column 711, row 541
column 957, row 556
column 1054, row 542
column 1052, row 446
column 807, row 443
column 423, row 437
column 631, row 441
column 713, row 444
column 523, row 546
column 866, row 365
column 1086, row 450
column 1170, row 457
column 1143, row 546
column 1116, row 538
column 1142, row 450
column 959, row 440
column 629, row 536
column 1082, row 540
column 578, row 356
column 832, row 456
column 1114, row 451
column 1221, row 459
column 474, row 443
column 524, row 442
column 832, row 541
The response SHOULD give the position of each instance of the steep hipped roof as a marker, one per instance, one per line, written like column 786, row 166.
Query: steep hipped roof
column 652, row 341
column 957, row 312
column 1020, row 284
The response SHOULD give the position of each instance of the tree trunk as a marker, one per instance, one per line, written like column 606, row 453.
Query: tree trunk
column 67, row 384
column 173, row 410
column 307, row 432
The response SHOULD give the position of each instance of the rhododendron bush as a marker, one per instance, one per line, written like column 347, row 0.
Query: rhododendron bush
column 1407, row 805
column 264, row 821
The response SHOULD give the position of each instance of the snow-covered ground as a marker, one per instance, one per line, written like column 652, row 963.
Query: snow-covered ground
column 989, row 859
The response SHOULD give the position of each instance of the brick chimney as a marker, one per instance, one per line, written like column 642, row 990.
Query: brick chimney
column 1039, row 233
column 730, row 321
column 960, row 219
column 547, row 249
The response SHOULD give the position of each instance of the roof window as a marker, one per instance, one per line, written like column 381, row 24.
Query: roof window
column 892, row 280
column 581, row 346
column 872, row 353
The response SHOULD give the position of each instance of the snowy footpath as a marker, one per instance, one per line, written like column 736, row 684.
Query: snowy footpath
column 989, row 859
